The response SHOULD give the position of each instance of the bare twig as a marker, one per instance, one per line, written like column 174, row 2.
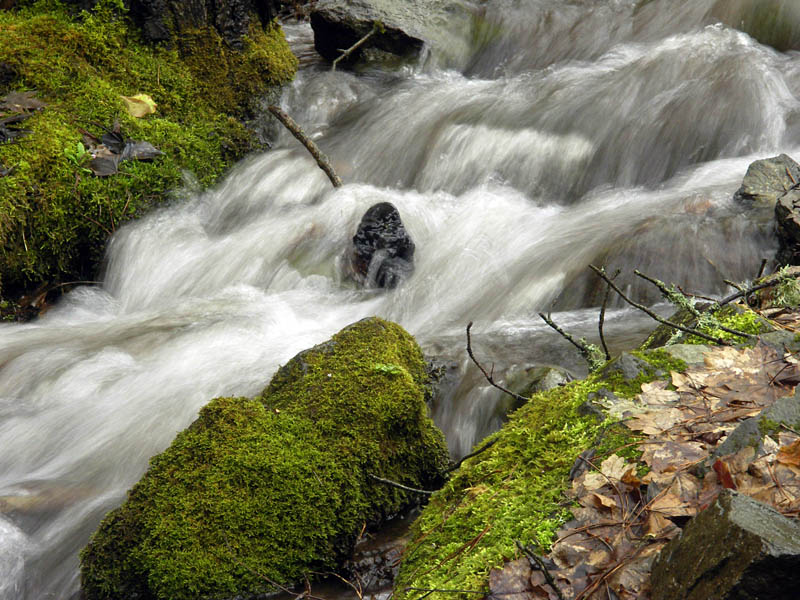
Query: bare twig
column 602, row 319
column 584, row 348
column 400, row 485
column 773, row 280
column 376, row 27
column 313, row 149
column 488, row 376
column 653, row 315
column 762, row 267
column 539, row 564
column 473, row 454
column 667, row 293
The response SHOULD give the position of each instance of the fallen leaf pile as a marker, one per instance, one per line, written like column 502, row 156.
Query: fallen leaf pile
column 14, row 109
column 622, row 521
column 112, row 148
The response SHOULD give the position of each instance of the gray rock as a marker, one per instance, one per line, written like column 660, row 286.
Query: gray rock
column 382, row 254
column 691, row 354
column 533, row 380
column 627, row 365
column 787, row 226
column 768, row 179
column 408, row 26
column 781, row 340
column 750, row 432
column 774, row 23
column 736, row 549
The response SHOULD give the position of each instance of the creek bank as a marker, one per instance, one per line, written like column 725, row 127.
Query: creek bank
column 276, row 487
column 54, row 216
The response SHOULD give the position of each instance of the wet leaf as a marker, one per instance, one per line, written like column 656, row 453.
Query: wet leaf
column 724, row 474
column 21, row 102
column 790, row 455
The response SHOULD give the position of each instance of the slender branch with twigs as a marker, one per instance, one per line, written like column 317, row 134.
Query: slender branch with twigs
column 537, row 563
column 376, row 27
column 650, row 313
column 602, row 319
column 400, row 485
column 297, row 132
column 590, row 353
column 488, row 375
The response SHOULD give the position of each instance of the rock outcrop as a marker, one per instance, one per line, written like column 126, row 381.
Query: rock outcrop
column 736, row 548
column 787, row 226
column 768, row 179
column 274, row 487
column 383, row 253
column 405, row 28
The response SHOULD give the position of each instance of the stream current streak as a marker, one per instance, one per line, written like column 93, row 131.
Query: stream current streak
column 559, row 134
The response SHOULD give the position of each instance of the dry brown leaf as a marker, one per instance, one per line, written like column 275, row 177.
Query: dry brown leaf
column 601, row 501
column 670, row 456
column 658, row 525
column 790, row 455
column 656, row 422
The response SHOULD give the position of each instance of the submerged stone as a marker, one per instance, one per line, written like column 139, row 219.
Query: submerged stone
column 279, row 486
column 737, row 548
column 787, row 226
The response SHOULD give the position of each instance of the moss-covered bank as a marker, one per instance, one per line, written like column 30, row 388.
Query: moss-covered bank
column 54, row 215
column 514, row 490
column 276, row 486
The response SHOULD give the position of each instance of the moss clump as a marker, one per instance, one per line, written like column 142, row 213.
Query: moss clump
column 512, row 491
column 54, row 216
column 276, row 486
column 732, row 317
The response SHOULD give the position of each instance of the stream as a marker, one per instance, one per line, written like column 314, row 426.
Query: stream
column 561, row 133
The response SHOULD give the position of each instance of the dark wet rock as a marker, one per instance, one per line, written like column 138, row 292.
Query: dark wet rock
column 382, row 254
column 406, row 27
column 774, row 23
column 768, row 179
column 787, row 226
column 737, row 548
column 691, row 354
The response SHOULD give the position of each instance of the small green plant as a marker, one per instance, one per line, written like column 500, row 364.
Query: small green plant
column 387, row 369
column 78, row 155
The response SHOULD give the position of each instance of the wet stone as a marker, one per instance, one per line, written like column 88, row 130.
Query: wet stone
column 768, row 179
column 382, row 252
column 737, row 548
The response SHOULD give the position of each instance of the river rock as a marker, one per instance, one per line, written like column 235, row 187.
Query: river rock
column 787, row 226
column 737, row 548
column 405, row 27
column 382, row 254
column 768, row 179
column 277, row 486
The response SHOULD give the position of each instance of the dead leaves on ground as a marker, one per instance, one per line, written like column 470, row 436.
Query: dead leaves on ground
column 621, row 521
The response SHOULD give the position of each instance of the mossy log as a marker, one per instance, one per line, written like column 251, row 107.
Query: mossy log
column 272, row 488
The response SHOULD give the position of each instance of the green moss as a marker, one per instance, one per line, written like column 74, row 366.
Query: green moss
column 514, row 490
column 276, row 486
column 54, row 217
column 739, row 319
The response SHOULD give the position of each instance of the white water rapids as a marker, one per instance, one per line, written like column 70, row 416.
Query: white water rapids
column 570, row 133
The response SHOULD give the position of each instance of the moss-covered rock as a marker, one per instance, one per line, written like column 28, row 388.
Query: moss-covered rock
column 54, row 215
column 513, row 491
column 275, row 487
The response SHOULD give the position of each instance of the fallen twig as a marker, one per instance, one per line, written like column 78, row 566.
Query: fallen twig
column 589, row 353
column 602, row 319
column 472, row 454
column 376, row 27
column 653, row 315
column 668, row 294
column 534, row 558
column 400, row 485
column 488, row 376
column 313, row 149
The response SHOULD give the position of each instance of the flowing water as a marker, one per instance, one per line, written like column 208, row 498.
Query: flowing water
column 560, row 134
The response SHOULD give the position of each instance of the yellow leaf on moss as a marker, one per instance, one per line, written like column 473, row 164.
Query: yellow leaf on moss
column 139, row 105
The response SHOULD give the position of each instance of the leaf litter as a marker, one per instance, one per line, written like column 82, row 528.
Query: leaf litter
column 622, row 521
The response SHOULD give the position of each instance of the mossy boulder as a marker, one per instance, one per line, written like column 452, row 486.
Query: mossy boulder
column 513, row 491
column 55, row 216
column 279, row 486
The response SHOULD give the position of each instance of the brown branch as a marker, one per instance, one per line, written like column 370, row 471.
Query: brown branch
column 602, row 319
column 587, row 353
column 488, row 376
column 313, row 149
column 539, row 563
column 653, row 315
column 375, row 28
column 472, row 454
column 400, row 485
column 666, row 293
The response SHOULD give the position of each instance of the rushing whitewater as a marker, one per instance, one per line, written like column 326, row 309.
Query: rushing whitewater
column 569, row 133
